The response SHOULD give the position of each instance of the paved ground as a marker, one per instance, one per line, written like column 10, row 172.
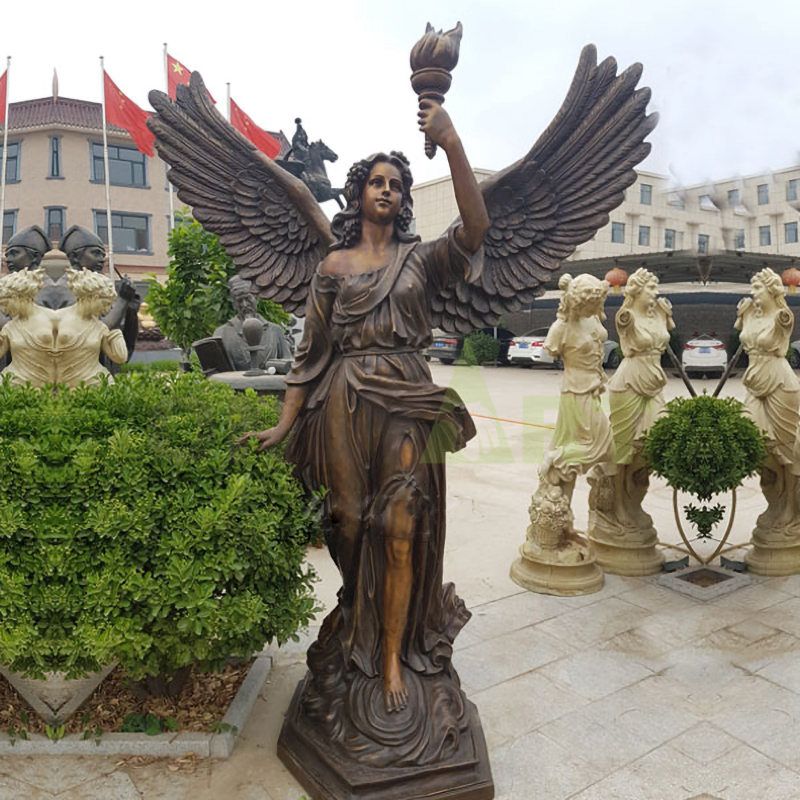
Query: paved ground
column 633, row 693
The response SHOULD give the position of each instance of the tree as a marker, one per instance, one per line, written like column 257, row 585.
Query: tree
column 194, row 300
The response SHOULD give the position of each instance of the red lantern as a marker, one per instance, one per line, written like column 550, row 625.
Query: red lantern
column 791, row 278
column 616, row 278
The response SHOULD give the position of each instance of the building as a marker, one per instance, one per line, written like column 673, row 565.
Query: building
column 56, row 178
column 710, row 233
column 704, row 242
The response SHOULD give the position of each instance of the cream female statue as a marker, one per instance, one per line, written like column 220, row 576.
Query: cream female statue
column 621, row 532
column 58, row 346
column 765, row 325
column 555, row 558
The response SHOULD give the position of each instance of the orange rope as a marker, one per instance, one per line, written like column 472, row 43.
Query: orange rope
column 515, row 422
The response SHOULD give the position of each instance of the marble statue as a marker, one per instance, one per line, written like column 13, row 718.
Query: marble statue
column 621, row 532
column 555, row 558
column 61, row 346
column 765, row 324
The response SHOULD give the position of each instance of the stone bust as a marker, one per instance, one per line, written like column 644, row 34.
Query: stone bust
column 273, row 344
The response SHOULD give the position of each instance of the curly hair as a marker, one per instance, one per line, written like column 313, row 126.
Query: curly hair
column 772, row 282
column 346, row 225
column 636, row 282
column 576, row 291
column 18, row 291
column 94, row 293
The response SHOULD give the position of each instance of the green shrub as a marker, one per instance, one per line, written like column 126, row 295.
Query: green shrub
column 704, row 446
column 480, row 348
column 132, row 528
column 160, row 365
column 194, row 300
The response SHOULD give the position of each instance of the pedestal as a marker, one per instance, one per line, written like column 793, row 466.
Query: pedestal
column 776, row 551
column 568, row 570
column 328, row 772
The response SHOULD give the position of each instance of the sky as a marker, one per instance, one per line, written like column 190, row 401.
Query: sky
column 725, row 76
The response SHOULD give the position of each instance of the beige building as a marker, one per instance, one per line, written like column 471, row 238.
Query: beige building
column 713, row 232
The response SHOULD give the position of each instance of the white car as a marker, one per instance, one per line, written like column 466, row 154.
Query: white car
column 529, row 349
column 704, row 355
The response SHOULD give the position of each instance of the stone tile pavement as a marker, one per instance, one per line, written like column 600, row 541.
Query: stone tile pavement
column 636, row 692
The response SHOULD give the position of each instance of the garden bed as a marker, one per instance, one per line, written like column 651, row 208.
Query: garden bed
column 204, row 719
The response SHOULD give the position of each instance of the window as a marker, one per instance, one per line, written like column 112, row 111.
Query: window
column 644, row 235
column 790, row 232
column 55, row 157
column 54, row 223
column 791, row 188
column 703, row 240
column 763, row 193
column 738, row 239
column 706, row 203
column 764, row 236
column 9, row 225
column 131, row 232
column 676, row 200
column 733, row 198
column 12, row 162
column 618, row 232
column 669, row 239
column 645, row 194
column 126, row 165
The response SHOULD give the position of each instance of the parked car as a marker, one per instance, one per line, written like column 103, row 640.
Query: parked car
column 704, row 355
column 447, row 347
column 528, row 350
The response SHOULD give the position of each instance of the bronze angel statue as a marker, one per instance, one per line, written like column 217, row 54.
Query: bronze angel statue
column 362, row 415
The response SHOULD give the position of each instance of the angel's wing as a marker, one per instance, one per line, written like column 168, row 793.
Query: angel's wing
column 267, row 220
column 556, row 197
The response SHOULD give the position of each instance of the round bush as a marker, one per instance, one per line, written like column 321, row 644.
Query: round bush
column 704, row 445
column 480, row 348
column 132, row 528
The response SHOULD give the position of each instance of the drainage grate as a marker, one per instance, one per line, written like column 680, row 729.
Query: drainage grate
column 704, row 583
column 704, row 577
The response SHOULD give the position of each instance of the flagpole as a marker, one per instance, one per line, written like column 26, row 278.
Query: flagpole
column 169, row 185
column 228, row 89
column 5, row 157
column 108, row 177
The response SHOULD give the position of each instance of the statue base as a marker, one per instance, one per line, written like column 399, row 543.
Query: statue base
column 326, row 773
column 565, row 571
column 776, row 552
column 626, row 551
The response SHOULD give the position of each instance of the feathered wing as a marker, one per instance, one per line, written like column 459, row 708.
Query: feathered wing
column 267, row 220
column 556, row 197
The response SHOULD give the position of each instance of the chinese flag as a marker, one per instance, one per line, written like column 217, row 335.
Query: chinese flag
column 178, row 75
column 3, row 95
column 266, row 143
column 124, row 113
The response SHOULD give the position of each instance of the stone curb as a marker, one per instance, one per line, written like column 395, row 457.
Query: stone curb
column 162, row 745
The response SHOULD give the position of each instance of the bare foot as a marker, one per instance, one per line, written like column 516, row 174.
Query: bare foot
column 395, row 694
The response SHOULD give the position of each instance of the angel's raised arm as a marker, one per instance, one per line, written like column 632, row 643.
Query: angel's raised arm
column 436, row 122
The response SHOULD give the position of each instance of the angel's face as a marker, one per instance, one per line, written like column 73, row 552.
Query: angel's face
column 382, row 197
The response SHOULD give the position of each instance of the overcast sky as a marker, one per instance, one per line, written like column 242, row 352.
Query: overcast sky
column 725, row 76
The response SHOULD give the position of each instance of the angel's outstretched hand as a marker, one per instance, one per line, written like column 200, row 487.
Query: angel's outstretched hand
column 268, row 438
column 436, row 123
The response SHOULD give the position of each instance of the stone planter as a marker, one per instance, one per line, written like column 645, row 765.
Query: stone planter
column 56, row 698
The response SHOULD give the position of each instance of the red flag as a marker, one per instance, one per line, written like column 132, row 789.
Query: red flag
column 264, row 141
column 124, row 113
column 3, row 96
column 178, row 75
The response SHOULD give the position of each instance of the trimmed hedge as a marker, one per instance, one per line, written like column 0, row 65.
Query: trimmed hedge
column 132, row 528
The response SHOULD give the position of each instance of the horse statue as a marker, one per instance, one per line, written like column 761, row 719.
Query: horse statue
column 312, row 156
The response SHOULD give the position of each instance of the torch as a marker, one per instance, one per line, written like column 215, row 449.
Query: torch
column 433, row 58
